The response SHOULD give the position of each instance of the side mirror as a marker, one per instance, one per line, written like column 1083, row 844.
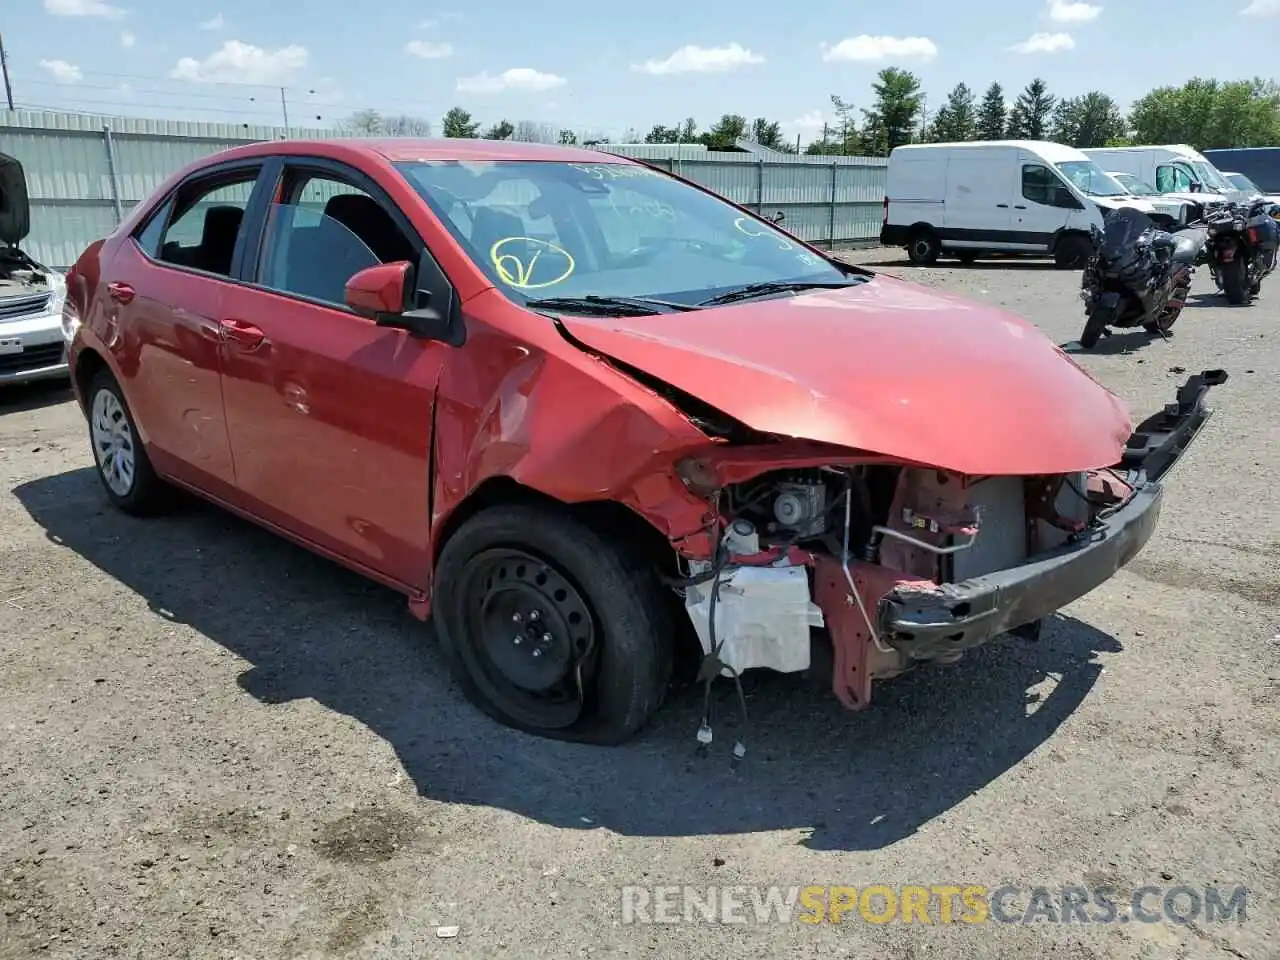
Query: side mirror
column 385, row 295
column 376, row 291
column 1197, row 186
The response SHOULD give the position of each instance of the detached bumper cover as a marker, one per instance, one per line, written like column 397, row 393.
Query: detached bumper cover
column 928, row 624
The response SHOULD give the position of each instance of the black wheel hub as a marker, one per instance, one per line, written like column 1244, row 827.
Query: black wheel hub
column 533, row 631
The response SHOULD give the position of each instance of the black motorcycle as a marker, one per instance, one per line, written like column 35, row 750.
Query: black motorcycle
column 1242, row 243
column 1138, row 275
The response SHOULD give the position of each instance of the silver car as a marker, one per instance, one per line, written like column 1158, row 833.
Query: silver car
column 32, row 342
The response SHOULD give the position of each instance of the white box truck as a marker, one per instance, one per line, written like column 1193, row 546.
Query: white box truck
column 1026, row 197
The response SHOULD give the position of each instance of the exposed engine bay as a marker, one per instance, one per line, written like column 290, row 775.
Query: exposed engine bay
column 20, row 276
column 822, row 548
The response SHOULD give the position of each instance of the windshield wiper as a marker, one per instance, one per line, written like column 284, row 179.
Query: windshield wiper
column 777, row 286
column 633, row 306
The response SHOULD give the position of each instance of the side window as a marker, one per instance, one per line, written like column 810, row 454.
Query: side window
column 1041, row 185
column 1172, row 179
column 206, row 220
column 149, row 237
column 326, row 232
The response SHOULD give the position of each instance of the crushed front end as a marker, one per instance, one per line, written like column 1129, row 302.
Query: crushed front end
column 903, row 563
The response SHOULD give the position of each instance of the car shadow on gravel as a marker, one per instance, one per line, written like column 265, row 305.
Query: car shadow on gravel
column 846, row 781
column 23, row 397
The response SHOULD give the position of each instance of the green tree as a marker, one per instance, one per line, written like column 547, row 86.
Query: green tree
column 725, row 132
column 894, row 118
column 1092, row 120
column 767, row 133
column 661, row 133
column 457, row 123
column 1032, row 112
column 843, row 139
column 1210, row 113
column 502, row 130
column 957, row 119
column 992, row 114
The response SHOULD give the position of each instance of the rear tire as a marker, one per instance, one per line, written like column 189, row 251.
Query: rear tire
column 1255, row 288
column 124, row 469
column 1072, row 253
column 1233, row 276
column 607, row 620
column 923, row 248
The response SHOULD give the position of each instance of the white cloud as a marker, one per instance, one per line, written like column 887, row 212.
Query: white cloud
column 1072, row 11
column 868, row 48
column 62, row 71
column 1045, row 43
column 214, row 23
column 243, row 63
column 517, row 78
column 127, row 39
column 694, row 59
column 428, row 50
column 83, row 8
column 1261, row 8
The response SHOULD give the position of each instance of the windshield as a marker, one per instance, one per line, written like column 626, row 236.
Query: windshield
column 1135, row 185
column 1210, row 176
column 542, row 229
column 1241, row 182
column 1121, row 229
column 1091, row 179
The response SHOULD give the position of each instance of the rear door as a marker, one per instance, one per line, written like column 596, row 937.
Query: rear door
column 164, row 298
column 979, row 199
column 329, row 414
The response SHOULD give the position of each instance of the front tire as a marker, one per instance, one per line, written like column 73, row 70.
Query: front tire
column 124, row 468
column 1233, row 277
column 551, row 628
column 1094, row 326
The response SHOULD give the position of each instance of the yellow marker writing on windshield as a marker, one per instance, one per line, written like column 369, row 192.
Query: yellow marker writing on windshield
column 741, row 225
column 516, row 271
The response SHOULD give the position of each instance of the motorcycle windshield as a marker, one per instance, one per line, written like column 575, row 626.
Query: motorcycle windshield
column 1121, row 231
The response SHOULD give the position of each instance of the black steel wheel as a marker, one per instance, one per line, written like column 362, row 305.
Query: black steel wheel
column 533, row 637
column 551, row 627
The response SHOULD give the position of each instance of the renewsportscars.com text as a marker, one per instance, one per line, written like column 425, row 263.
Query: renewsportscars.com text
column 937, row 903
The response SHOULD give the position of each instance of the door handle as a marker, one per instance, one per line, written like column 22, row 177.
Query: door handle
column 242, row 334
column 1018, row 206
column 1003, row 206
column 120, row 292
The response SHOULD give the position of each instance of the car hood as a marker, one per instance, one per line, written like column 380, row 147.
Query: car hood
column 15, row 208
column 885, row 367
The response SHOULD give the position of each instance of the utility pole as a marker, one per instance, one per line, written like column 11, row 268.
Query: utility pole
column 4, row 68
column 284, row 109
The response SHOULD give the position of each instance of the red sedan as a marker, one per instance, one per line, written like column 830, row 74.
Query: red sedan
column 589, row 416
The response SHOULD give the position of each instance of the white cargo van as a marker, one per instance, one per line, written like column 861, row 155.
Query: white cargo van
column 1008, row 196
column 1174, row 170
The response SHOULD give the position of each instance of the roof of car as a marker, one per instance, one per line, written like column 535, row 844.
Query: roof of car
column 419, row 148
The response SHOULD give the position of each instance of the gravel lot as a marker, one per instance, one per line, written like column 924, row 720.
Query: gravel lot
column 217, row 745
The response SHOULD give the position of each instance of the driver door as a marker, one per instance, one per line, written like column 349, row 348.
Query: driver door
column 329, row 415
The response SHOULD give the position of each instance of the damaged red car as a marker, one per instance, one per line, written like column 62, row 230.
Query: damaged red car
column 590, row 417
